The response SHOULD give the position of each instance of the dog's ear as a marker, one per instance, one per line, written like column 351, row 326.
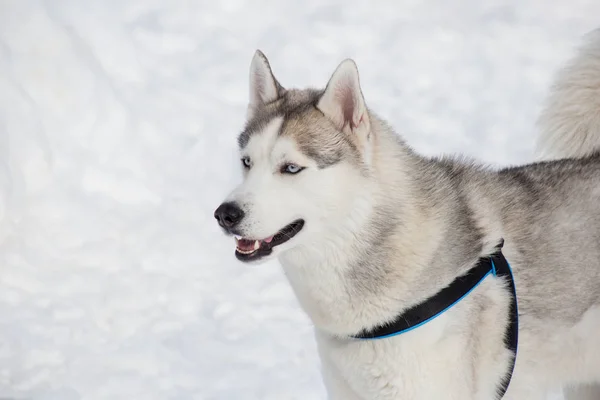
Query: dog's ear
column 264, row 88
column 343, row 102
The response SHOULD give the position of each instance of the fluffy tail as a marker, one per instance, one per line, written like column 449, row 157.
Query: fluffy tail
column 570, row 122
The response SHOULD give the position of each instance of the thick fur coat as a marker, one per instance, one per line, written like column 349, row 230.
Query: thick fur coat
column 384, row 228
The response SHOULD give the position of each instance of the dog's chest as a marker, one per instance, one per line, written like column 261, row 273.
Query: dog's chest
column 418, row 365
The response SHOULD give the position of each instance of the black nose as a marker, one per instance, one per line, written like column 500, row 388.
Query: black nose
column 229, row 215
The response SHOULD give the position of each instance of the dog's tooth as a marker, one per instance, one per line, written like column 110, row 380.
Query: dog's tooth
column 256, row 245
column 236, row 240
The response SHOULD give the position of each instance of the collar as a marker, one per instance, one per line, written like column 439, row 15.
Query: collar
column 420, row 314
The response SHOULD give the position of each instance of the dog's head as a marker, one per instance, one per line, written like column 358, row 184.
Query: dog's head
column 305, row 156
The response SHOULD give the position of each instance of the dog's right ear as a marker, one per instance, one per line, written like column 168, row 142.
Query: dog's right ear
column 264, row 88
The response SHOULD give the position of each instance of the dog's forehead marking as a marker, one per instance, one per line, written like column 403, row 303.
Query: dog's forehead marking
column 270, row 145
column 261, row 144
column 292, row 103
column 287, row 149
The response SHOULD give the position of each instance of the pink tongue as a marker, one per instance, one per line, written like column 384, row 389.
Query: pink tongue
column 269, row 239
column 245, row 245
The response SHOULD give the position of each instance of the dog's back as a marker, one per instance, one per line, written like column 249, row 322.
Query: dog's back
column 551, row 210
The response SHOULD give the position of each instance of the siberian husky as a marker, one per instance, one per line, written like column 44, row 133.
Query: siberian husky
column 366, row 229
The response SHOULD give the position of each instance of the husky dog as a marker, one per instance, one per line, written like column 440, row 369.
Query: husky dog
column 365, row 228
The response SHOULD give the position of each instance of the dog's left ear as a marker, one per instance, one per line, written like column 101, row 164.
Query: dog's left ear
column 264, row 88
column 343, row 102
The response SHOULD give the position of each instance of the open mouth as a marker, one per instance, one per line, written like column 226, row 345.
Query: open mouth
column 253, row 249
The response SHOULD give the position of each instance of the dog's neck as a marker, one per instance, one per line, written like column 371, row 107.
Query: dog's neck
column 361, row 275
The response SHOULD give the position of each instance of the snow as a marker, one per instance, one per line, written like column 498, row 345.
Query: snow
column 118, row 122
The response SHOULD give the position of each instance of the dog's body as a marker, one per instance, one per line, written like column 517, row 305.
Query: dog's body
column 375, row 228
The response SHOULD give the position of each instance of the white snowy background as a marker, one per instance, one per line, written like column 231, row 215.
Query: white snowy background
column 118, row 124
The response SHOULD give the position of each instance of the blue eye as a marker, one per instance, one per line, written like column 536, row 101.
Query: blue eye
column 247, row 162
column 291, row 169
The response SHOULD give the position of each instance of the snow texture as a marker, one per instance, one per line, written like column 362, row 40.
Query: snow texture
column 118, row 124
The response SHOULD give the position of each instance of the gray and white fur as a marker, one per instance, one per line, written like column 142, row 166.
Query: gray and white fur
column 385, row 228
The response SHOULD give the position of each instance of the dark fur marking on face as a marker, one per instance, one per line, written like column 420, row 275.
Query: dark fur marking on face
column 315, row 135
column 289, row 104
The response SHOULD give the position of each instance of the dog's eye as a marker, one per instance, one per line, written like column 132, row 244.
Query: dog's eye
column 291, row 169
column 247, row 162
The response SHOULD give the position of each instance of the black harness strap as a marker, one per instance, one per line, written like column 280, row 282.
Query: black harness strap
column 511, row 337
column 446, row 298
